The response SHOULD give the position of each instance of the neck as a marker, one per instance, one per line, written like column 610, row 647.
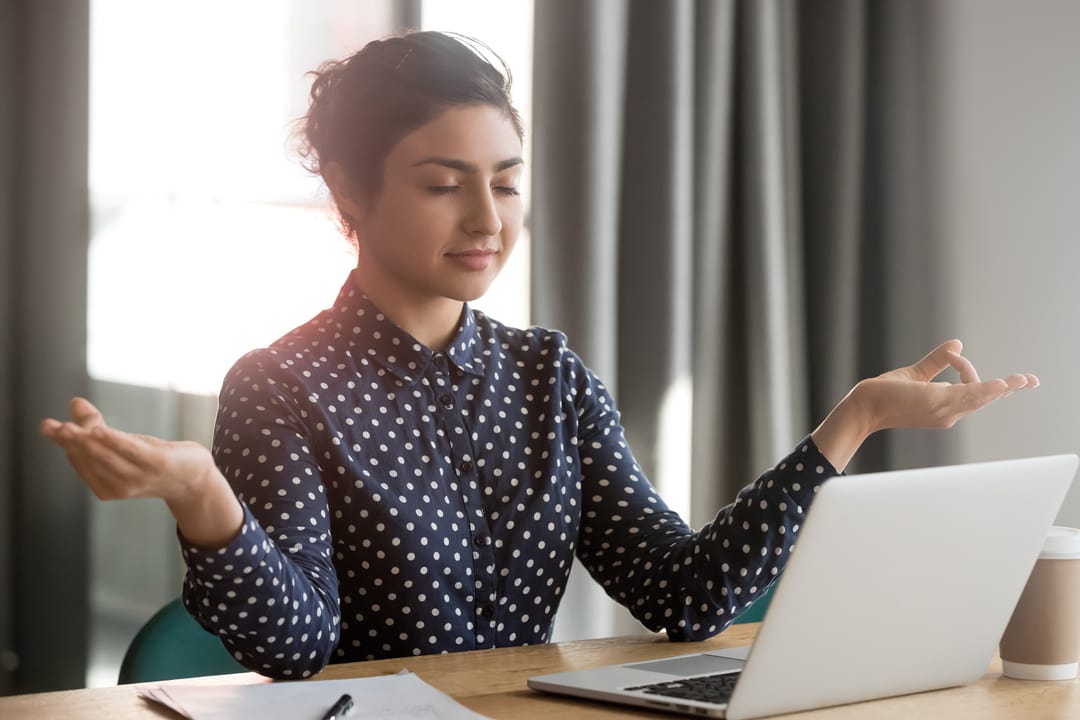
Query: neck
column 431, row 320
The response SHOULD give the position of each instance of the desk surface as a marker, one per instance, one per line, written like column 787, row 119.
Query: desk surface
column 492, row 682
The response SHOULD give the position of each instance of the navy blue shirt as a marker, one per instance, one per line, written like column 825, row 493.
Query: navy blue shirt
column 402, row 501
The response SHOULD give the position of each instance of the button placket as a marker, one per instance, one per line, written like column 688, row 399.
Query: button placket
column 443, row 393
column 485, row 579
column 458, row 435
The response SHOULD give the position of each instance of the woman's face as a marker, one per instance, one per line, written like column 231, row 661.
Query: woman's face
column 449, row 211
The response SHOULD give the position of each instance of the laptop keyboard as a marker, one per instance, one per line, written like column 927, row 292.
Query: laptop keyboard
column 706, row 688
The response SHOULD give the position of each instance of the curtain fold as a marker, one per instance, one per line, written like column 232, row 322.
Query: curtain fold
column 580, row 52
column 714, row 218
column 44, row 52
column 7, row 305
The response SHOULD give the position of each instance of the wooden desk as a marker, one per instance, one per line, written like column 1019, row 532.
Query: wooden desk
column 492, row 682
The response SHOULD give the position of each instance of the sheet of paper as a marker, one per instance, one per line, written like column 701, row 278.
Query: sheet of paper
column 387, row 697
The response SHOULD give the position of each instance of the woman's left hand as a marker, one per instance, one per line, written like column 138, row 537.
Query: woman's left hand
column 910, row 397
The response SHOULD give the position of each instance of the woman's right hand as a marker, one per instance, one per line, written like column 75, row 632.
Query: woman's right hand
column 117, row 465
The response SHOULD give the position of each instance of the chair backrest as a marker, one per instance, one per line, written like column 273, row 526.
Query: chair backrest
column 173, row 645
column 756, row 612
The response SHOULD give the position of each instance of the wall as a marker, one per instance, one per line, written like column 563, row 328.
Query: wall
column 1010, row 215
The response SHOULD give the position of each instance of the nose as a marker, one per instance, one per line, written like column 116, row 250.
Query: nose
column 482, row 216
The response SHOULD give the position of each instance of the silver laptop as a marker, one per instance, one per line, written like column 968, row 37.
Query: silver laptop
column 901, row 582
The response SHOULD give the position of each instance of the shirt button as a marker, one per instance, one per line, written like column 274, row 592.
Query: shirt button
column 447, row 401
column 487, row 611
column 482, row 540
column 440, row 362
column 467, row 466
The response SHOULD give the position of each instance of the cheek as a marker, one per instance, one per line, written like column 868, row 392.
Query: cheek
column 415, row 220
column 512, row 218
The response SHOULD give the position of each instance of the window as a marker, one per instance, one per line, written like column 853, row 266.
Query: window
column 209, row 239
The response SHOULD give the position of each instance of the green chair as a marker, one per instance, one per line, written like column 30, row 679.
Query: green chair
column 173, row 645
column 756, row 612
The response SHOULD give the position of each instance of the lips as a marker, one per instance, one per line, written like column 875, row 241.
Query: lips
column 479, row 259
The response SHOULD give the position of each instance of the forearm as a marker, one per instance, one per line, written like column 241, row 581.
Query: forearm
column 694, row 584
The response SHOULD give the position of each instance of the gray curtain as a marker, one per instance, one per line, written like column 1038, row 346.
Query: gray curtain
column 732, row 222
column 44, row 51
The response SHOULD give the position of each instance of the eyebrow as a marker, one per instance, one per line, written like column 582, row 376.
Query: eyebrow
column 467, row 166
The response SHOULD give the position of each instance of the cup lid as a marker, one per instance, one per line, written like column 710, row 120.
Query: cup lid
column 1061, row 543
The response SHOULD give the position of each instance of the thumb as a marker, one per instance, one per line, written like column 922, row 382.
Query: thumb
column 935, row 361
column 85, row 414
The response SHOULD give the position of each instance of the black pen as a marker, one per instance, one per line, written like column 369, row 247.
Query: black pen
column 342, row 706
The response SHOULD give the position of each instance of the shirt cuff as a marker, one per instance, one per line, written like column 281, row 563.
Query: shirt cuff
column 245, row 554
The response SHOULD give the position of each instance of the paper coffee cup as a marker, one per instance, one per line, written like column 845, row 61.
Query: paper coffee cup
column 1042, row 640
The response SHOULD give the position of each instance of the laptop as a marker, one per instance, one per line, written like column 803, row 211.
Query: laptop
column 901, row 582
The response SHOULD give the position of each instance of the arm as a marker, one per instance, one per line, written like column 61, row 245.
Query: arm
column 694, row 584
column 260, row 573
column 272, row 593
column 691, row 584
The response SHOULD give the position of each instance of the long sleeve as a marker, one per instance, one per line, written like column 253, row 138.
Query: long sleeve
column 691, row 584
column 272, row 593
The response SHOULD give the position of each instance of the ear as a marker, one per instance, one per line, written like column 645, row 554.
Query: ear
column 344, row 190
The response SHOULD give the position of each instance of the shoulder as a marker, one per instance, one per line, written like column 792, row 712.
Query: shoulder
column 537, row 352
column 287, row 361
column 524, row 343
column 530, row 339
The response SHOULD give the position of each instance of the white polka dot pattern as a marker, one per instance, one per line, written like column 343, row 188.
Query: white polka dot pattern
column 400, row 501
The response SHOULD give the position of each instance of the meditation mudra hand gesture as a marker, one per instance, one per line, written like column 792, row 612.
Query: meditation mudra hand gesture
column 910, row 397
column 385, row 479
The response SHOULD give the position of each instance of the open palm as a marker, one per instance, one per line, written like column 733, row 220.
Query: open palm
column 911, row 397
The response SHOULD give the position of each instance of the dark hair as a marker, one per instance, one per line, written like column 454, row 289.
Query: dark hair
column 362, row 106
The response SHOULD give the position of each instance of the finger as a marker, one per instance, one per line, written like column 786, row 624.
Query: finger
column 68, row 434
column 132, row 448
column 49, row 426
column 1033, row 380
column 978, row 395
column 108, row 474
column 935, row 361
column 85, row 414
column 963, row 366
column 964, row 398
column 1017, row 381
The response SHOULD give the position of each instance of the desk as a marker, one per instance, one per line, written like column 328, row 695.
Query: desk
column 492, row 682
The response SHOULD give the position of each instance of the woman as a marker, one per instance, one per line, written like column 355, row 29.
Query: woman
column 405, row 475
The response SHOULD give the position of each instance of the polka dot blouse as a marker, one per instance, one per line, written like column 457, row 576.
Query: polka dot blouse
column 402, row 501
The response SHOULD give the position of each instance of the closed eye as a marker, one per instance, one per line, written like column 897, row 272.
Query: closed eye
column 443, row 189
column 507, row 190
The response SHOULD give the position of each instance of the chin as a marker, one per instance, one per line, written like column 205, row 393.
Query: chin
column 469, row 296
column 469, row 292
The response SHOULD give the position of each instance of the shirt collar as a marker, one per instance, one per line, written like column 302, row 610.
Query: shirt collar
column 378, row 339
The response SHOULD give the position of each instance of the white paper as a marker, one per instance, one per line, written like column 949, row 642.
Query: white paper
column 387, row 697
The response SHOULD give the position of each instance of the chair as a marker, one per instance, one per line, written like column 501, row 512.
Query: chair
column 756, row 612
column 173, row 645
